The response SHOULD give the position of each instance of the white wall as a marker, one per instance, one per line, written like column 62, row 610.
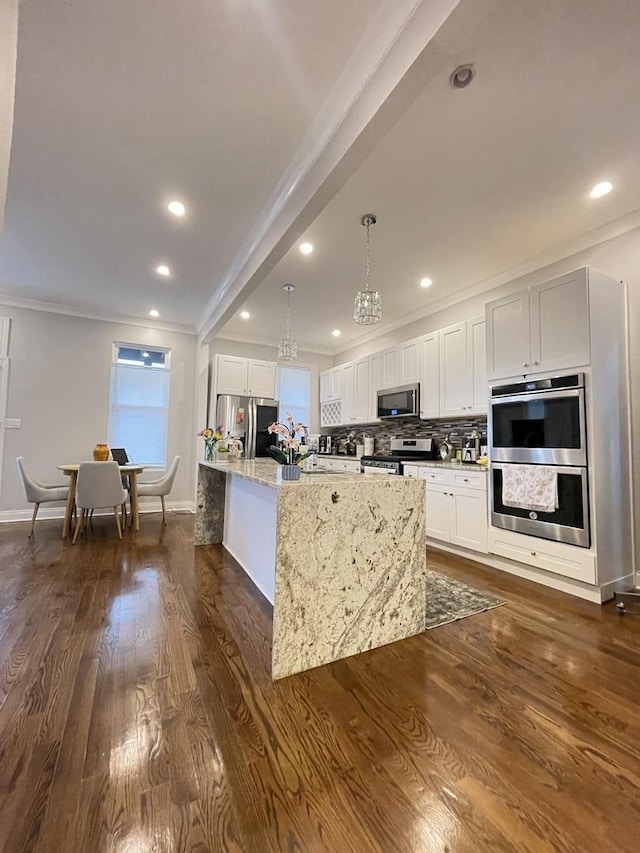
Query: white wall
column 316, row 363
column 59, row 379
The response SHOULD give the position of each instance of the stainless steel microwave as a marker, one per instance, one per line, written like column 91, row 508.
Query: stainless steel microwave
column 401, row 402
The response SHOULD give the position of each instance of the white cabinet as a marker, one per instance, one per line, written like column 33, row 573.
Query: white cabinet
column 331, row 384
column 375, row 379
column 540, row 329
column 462, row 368
column 361, row 394
column 245, row 377
column 389, row 368
column 455, row 505
column 430, row 376
column 348, row 385
column 408, row 362
column 557, row 557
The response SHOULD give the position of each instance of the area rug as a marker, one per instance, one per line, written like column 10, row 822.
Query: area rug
column 449, row 600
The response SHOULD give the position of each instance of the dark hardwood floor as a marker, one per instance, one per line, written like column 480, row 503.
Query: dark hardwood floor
column 137, row 714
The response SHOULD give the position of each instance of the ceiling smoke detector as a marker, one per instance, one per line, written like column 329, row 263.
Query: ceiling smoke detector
column 461, row 77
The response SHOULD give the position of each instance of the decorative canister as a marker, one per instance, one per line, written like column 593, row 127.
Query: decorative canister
column 290, row 472
column 101, row 452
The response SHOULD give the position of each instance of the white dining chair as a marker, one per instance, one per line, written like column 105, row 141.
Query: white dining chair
column 161, row 487
column 38, row 493
column 99, row 485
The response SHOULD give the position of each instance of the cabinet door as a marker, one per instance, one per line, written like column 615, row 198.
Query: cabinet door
column 469, row 519
column 389, row 368
column 262, row 379
column 429, row 377
column 438, row 512
column 325, row 386
column 409, row 362
column 454, row 380
column 478, row 402
column 508, row 337
column 336, row 383
column 361, row 408
column 559, row 318
column 231, row 374
column 348, row 392
column 375, row 380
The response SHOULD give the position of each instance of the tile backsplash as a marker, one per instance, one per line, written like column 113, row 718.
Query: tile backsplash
column 456, row 428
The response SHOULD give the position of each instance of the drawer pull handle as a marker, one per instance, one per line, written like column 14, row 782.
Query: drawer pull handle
column 466, row 479
column 533, row 553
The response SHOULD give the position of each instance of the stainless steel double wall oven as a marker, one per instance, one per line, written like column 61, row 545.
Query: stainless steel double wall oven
column 542, row 422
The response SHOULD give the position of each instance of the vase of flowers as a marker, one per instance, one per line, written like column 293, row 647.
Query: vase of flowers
column 290, row 451
column 211, row 439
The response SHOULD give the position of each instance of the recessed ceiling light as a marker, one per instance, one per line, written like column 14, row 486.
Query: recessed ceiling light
column 336, row 333
column 425, row 282
column 177, row 208
column 461, row 77
column 154, row 313
column 603, row 188
column 163, row 269
column 306, row 248
column 245, row 315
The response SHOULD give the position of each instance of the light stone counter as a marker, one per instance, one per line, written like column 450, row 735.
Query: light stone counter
column 340, row 556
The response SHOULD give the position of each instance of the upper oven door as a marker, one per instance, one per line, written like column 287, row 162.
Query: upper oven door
column 545, row 427
column 399, row 402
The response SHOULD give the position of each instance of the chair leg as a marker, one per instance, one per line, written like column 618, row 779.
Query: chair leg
column 115, row 512
column 164, row 515
column 79, row 524
column 33, row 520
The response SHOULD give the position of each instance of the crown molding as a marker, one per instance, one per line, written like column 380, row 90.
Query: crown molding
column 88, row 314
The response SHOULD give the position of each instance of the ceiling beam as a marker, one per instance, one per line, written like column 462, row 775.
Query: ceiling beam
column 373, row 90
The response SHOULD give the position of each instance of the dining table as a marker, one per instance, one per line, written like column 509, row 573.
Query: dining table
column 130, row 470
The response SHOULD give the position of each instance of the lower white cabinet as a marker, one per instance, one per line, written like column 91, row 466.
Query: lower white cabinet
column 557, row 557
column 456, row 505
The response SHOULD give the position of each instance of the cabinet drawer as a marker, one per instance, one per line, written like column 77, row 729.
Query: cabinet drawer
column 470, row 479
column 435, row 476
column 569, row 561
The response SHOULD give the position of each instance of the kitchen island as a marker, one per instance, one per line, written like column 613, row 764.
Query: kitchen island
column 340, row 556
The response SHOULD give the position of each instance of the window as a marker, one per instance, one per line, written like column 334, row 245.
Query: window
column 139, row 403
column 294, row 393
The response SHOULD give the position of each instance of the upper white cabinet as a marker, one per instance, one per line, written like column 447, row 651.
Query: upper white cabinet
column 331, row 384
column 462, row 369
column 400, row 365
column 375, row 377
column 361, row 394
column 348, row 385
column 430, row 376
column 245, row 376
column 545, row 327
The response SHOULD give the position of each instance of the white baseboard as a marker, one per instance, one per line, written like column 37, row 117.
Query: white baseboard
column 147, row 505
column 596, row 594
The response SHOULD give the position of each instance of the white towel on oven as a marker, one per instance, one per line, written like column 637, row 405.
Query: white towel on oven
column 532, row 487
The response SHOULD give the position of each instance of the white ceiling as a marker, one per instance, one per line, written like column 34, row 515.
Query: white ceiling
column 121, row 106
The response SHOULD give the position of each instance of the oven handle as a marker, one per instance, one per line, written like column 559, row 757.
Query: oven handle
column 536, row 395
column 575, row 470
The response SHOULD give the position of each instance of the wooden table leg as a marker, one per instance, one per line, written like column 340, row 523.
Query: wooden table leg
column 135, row 521
column 71, row 500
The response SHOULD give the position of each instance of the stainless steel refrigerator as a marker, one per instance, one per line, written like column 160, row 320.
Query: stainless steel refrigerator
column 247, row 418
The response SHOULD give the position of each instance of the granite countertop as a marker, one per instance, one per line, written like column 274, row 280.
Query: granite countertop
column 449, row 466
column 268, row 473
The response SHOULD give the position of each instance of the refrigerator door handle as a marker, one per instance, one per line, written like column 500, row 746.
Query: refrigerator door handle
column 250, row 449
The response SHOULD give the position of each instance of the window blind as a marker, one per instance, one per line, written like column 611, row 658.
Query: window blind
column 294, row 393
column 139, row 411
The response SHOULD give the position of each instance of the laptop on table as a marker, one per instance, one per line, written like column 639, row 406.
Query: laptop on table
column 119, row 455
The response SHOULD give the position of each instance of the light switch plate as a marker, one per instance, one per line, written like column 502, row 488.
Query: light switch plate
column 12, row 423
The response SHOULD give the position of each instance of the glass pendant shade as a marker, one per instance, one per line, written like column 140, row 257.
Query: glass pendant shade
column 288, row 348
column 367, row 306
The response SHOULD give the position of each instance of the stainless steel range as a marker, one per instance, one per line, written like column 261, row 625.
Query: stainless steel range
column 401, row 450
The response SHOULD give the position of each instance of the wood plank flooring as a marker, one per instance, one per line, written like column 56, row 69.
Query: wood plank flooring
column 137, row 714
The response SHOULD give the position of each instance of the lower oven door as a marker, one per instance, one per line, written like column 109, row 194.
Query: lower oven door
column 568, row 523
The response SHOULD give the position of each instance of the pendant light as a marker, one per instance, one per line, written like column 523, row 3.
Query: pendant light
column 288, row 348
column 367, row 307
